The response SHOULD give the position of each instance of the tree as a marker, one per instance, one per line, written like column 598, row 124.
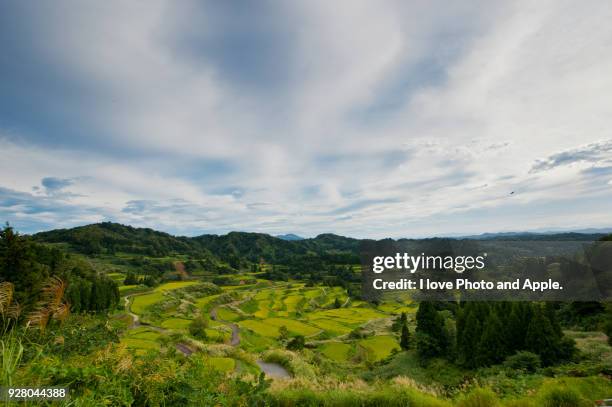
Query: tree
column 131, row 279
column 431, row 336
column 337, row 303
column 297, row 343
column 405, row 338
column 541, row 338
column 491, row 348
column 608, row 331
column 399, row 322
column 197, row 327
column 18, row 265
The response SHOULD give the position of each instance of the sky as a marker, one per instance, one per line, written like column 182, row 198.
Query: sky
column 362, row 118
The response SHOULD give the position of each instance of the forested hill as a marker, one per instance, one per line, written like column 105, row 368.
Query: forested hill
column 109, row 238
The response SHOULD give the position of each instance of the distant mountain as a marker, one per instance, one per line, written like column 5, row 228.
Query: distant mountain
column 583, row 235
column 289, row 237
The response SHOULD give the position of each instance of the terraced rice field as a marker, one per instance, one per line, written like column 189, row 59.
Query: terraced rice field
column 174, row 285
column 141, row 302
column 141, row 339
column 222, row 364
column 175, row 323
column 380, row 346
column 295, row 327
column 261, row 312
column 226, row 314
column 260, row 328
column 337, row 351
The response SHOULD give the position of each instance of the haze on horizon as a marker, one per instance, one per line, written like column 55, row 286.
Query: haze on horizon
column 361, row 118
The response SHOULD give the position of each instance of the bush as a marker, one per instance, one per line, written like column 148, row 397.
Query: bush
column 523, row 360
column 197, row 327
column 479, row 398
column 562, row 397
column 296, row 343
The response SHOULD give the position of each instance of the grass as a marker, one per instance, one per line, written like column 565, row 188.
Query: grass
column 337, row 351
column 380, row 346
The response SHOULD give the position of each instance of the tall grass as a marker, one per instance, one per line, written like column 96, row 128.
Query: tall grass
column 11, row 351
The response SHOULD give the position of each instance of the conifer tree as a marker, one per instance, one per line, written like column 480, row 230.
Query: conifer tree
column 468, row 338
column 405, row 338
column 541, row 338
column 431, row 336
column 492, row 347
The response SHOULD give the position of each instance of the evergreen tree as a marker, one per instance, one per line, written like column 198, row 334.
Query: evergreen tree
column 431, row 336
column 399, row 322
column 469, row 336
column 337, row 303
column 492, row 347
column 405, row 338
column 131, row 279
column 541, row 338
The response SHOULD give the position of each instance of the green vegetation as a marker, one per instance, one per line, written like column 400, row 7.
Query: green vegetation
column 180, row 339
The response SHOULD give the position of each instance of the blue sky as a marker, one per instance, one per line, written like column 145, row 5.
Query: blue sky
column 363, row 118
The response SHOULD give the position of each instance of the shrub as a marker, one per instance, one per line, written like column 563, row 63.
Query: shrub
column 296, row 343
column 608, row 331
column 197, row 327
column 523, row 360
column 479, row 398
column 562, row 397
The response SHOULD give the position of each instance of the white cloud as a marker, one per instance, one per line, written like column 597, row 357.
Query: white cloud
column 402, row 118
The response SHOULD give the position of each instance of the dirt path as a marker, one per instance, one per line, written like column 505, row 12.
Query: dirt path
column 235, row 340
column 135, row 319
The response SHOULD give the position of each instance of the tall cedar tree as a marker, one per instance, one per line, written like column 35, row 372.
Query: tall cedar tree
column 541, row 337
column 492, row 347
column 405, row 338
column 431, row 336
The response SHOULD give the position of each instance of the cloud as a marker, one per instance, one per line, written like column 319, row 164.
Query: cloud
column 407, row 118
column 595, row 153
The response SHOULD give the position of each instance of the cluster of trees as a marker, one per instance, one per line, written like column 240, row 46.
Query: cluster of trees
column 133, row 279
column 487, row 333
column 29, row 266
column 95, row 294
